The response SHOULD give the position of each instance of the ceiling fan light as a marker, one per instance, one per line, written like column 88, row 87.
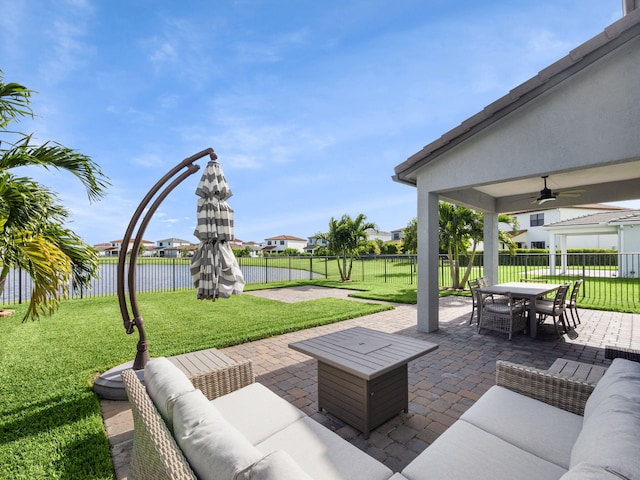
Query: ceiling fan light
column 549, row 198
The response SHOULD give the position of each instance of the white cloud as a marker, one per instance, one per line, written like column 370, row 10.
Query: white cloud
column 163, row 53
column 67, row 35
column 148, row 160
column 271, row 49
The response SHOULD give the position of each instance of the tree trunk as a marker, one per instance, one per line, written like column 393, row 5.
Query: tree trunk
column 340, row 268
column 467, row 272
column 343, row 275
column 3, row 278
column 453, row 267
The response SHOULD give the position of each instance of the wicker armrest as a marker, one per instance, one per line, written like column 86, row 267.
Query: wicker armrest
column 621, row 352
column 221, row 381
column 562, row 392
column 155, row 456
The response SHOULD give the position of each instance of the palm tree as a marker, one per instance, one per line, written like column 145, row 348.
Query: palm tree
column 410, row 237
column 461, row 229
column 345, row 239
column 32, row 232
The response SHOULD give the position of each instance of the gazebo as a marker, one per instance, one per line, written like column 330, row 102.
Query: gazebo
column 577, row 122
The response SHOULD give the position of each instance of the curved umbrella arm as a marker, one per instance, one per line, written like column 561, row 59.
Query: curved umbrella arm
column 130, row 322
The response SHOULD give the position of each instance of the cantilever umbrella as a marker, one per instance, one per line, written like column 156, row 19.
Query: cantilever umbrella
column 214, row 268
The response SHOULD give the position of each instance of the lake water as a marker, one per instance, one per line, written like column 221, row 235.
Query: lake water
column 150, row 277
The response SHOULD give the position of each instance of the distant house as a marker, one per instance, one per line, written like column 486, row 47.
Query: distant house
column 397, row 234
column 254, row 247
column 533, row 234
column 280, row 243
column 103, row 248
column 623, row 225
column 313, row 243
column 173, row 247
column 112, row 249
column 373, row 234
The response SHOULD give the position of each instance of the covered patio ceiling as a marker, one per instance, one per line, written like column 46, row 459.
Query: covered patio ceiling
column 606, row 183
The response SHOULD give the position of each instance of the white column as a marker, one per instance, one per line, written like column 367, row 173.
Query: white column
column 552, row 253
column 563, row 252
column 491, row 246
column 428, row 298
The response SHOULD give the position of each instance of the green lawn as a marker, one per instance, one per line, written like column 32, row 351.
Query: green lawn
column 50, row 423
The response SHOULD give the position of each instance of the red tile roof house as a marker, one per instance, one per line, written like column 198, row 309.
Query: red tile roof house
column 282, row 242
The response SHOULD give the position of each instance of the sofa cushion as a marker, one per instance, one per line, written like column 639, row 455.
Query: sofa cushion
column 587, row 471
column 621, row 378
column 277, row 465
column 465, row 451
column 215, row 450
column 165, row 383
column 610, row 437
column 257, row 412
column 547, row 432
column 324, row 454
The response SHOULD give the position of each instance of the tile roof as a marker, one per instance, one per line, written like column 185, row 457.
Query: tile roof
column 285, row 237
column 627, row 216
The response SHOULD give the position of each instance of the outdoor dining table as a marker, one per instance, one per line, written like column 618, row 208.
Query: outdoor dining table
column 526, row 290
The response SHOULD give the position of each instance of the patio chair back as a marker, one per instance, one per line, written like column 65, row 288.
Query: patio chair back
column 572, row 303
column 476, row 301
column 555, row 309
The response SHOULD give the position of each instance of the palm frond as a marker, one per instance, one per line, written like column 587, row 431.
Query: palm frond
column 14, row 102
column 53, row 155
column 26, row 204
column 50, row 270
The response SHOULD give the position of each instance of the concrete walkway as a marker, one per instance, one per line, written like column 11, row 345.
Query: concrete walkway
column 442, row 384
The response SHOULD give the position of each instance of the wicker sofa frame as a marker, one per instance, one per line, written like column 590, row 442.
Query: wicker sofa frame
column 156, row 456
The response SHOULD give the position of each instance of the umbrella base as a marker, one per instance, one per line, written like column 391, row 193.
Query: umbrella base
column 109, row 385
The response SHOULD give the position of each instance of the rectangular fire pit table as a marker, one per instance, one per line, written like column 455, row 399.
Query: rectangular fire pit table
column 362, row 374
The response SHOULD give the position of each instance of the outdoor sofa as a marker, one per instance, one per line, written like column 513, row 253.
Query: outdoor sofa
column 531, row 425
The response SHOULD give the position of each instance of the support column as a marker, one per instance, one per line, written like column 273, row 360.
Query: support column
column 428, row 298
column 491, row 246
column 552, row 253
column 563, row 255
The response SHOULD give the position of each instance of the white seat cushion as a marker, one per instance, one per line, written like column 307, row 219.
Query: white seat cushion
column 587, row 471
column 215, row 450
column 610, row 437
column 465, row 451
column 324, row 454
column 257, row 412
column 165, row 383
column 621, row 378
column 503, row 308
column 547, row 432
column 276, row 465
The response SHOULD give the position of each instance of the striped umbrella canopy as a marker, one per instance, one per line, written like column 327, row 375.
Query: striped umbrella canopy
column 214, row 268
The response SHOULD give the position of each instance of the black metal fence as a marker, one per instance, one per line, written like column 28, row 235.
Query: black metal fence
column 608, row 278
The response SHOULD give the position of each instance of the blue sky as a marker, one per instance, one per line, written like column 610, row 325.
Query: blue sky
column 308, row 104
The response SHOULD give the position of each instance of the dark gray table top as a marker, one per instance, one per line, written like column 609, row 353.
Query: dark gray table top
column 363, row 352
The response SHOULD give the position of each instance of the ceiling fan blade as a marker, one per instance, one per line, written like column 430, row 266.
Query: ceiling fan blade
column 571, row 193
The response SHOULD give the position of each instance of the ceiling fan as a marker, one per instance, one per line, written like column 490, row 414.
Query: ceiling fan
column 546, row 195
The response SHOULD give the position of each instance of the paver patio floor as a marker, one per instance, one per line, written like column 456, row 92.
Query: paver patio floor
column 442, row 384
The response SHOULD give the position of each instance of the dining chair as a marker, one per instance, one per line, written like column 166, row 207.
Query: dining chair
column 484, row 282
column 507, row 315
column 572, row 302
column 476, row 299
column 479, row 298
column 555, row 308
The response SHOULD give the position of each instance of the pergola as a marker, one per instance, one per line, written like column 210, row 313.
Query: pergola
column 577, row 121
